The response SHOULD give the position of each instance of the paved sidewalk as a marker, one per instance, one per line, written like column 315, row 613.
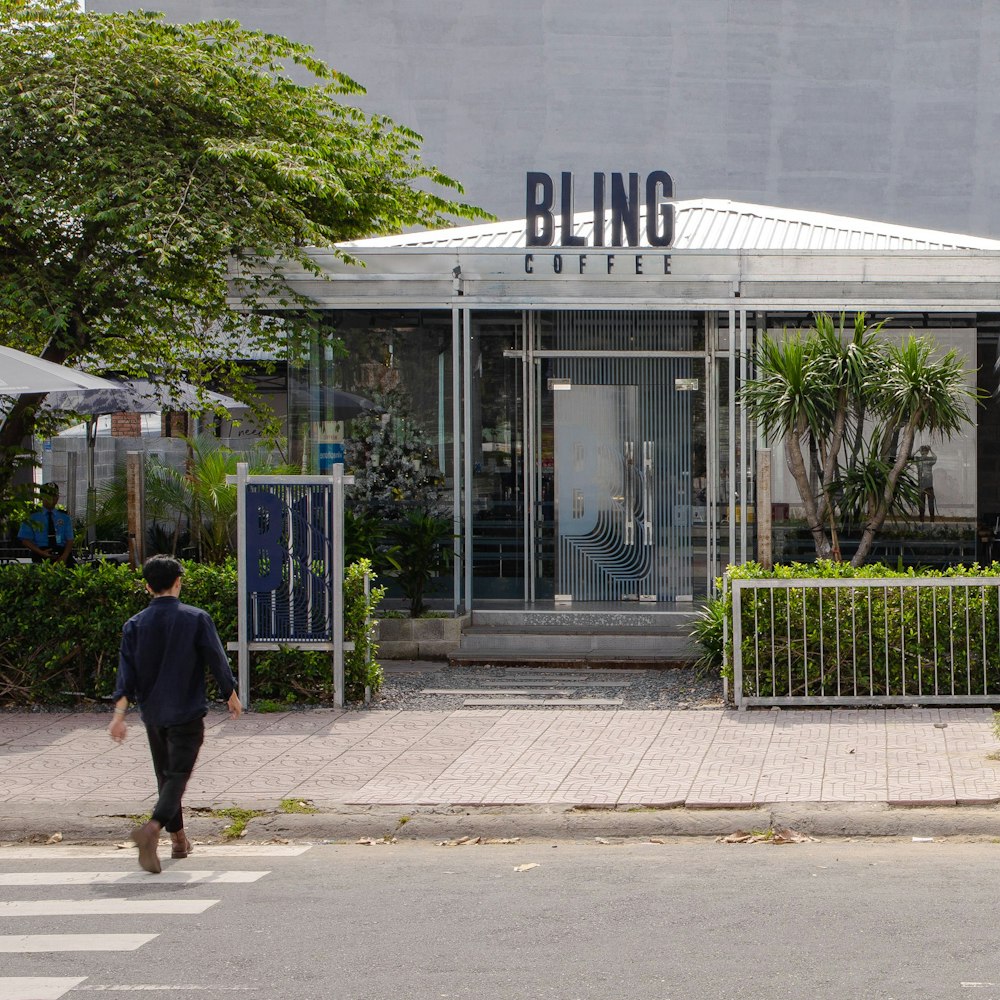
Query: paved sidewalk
column 696, row 759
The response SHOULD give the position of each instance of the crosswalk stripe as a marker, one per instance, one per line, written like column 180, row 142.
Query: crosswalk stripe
column 22, row 943
column 159, row 988
column 37, row 987
column 100, row 907
column 174, row 876
column 80, row 852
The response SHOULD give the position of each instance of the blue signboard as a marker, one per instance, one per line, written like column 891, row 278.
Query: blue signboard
column 329, row 454
column 289, row 564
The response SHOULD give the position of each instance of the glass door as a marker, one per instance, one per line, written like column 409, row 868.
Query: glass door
column 603, row 480
column 620, row 477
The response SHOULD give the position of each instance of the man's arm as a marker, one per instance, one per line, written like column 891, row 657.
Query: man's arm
column 117, row 728
column 66, row 523
column 214, row 654
column 26, row 536
column 29, row 544
column 124, row 687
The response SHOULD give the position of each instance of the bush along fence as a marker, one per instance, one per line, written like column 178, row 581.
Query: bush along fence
column 62, row 629
column 829, row 634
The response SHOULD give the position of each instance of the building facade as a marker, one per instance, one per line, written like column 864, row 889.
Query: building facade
column 578, row 395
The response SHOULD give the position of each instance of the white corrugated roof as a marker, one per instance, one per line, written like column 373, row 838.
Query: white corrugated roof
column 717, row 224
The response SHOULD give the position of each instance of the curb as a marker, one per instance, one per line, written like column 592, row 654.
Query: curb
column 87, row 823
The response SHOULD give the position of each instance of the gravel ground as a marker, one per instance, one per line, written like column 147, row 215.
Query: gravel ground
column 406, row 682
column 673, row 688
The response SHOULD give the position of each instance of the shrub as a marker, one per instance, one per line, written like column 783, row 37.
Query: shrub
column 291, row 675
column 361, row 669
column 819, row 636
column 421, row 552
column 62, row 629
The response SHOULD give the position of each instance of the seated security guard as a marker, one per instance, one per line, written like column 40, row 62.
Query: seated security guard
column 48, row 533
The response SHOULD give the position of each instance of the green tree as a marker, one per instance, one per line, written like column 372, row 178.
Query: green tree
column 847, row 406
column 151, row 174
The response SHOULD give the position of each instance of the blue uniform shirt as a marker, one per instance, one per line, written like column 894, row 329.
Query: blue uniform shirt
column 36, row 528
column 161, row 665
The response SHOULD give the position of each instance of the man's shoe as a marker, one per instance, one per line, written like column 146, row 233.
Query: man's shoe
column 180, row 848
column 147, row 839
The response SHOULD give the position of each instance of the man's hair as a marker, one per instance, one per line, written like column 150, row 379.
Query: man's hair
column 161, row 572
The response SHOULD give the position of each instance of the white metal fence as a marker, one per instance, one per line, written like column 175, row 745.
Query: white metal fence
column 866, row 641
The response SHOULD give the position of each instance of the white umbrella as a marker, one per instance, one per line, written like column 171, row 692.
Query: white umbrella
column 22, row 373
column 139, row 396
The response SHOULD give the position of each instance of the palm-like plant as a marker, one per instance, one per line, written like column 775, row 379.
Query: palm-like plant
column 855, row 401
column 196, row 497
column 812, row 390
column 916, row 392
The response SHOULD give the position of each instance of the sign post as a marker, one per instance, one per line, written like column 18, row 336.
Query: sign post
column 290, row 544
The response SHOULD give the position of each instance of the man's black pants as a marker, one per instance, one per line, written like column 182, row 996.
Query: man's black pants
column 174, row 750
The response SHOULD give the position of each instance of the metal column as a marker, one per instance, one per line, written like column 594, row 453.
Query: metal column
column 460, row 540
column 467, row 450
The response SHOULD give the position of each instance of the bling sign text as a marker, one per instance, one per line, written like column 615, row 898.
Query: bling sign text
column 618, row 198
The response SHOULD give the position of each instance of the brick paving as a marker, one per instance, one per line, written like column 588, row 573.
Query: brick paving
column 695, row 758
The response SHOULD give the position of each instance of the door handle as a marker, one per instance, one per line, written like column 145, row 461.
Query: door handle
column 647, row 492
column 628, row 522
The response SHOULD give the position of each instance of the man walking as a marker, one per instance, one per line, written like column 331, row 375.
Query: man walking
column 161, row 667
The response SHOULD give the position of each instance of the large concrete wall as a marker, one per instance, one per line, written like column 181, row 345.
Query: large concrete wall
column 883, row 109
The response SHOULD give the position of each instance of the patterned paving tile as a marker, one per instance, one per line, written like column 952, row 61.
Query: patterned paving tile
column 706, row 757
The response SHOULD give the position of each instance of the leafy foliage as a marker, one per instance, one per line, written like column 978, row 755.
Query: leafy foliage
column 153, row 170
column 854, row 401
column 364, row 539
column 391, row 460
column 857, row 636
column 63, row 629
column 361, row 601
column 422, row 549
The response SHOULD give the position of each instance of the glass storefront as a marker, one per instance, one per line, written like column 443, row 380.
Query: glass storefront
column 374, row 391
column 605, row 456
column 497, row 474
column 382, row 403
column 588, row 443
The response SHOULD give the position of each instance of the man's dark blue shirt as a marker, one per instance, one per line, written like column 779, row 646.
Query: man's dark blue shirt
column 161, row 666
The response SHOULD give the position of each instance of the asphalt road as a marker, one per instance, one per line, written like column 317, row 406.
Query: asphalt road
column 691, row 919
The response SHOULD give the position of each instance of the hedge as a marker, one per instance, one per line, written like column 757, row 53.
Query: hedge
column 817, row 636
column 62, row 628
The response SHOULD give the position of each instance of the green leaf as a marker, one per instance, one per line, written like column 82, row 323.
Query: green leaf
column 154, row 172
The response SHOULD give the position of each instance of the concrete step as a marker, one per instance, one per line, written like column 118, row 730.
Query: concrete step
column 578, row 640
column 589, row 621
column 589, row 675
column 622, row 660
column 587, row 637
column 586, row 645
column 541, row 630
column 519, row 691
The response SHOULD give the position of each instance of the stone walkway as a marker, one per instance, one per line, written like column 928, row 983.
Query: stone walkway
column 697, row 758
